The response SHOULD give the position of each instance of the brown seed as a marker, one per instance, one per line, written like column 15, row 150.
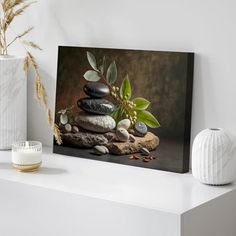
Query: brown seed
column 134, row 149
column 134, row 157
column 145, row 159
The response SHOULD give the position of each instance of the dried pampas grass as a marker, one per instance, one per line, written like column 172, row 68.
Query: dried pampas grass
column 9, row 9
column 41, row 95
column 31, row 44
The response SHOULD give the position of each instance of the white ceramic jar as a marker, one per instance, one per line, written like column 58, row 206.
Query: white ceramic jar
column 213, row 157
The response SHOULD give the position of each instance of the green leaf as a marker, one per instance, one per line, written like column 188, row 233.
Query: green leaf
column 103, row 66
column 63, row 119
column 92, row 60
column 125, row 89
column 147, row 118
column 117, row 114
column 92, row 75
column 141, row 103
column 112, row 73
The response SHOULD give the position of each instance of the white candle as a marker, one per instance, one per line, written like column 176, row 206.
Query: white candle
column 27, row 154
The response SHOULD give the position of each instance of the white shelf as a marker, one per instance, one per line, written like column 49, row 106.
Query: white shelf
column 151, row 189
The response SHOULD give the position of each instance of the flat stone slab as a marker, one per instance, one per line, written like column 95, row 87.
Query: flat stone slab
column 88, row 140
column 149, row 141
column 84, row 139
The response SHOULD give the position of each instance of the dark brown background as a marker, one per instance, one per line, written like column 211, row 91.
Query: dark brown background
column 163, row 78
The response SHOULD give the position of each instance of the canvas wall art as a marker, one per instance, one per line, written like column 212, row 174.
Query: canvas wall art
column 131, row 107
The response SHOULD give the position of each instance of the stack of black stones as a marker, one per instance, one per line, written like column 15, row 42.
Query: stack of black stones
column 96, row 109
column 96, row 103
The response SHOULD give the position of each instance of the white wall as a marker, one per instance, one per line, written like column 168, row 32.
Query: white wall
column 206, row 27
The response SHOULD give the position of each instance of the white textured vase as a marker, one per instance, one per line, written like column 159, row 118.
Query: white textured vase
column 12, row 101
column 213, row 157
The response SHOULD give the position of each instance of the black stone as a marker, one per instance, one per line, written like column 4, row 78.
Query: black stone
column 140, row 129
column 96, row 106
column 96, row 90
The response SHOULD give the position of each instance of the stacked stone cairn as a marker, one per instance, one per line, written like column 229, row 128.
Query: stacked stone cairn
column 95, row 109
column 98, row 130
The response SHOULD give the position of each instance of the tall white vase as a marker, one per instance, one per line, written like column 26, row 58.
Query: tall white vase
column 13, row 102
column 214, row 157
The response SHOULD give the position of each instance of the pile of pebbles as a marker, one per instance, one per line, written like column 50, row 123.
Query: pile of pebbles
column 122, row 130
column 122, row 135
column 66, row 127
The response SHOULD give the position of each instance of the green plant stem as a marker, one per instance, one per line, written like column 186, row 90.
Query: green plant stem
column 105, row 80
column 119, row 101
column 118, row 98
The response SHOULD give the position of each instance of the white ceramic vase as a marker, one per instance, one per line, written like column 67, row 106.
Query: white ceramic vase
column 213, row 157
column 12, row 101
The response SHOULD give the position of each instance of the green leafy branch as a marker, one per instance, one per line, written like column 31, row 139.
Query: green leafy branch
column 109, row 75
column 134, row 109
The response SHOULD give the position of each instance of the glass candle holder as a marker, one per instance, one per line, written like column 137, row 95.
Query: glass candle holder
column 27, row 155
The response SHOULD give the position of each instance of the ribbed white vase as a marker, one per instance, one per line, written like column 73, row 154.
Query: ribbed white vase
column 12, row 101
column 213, row 157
